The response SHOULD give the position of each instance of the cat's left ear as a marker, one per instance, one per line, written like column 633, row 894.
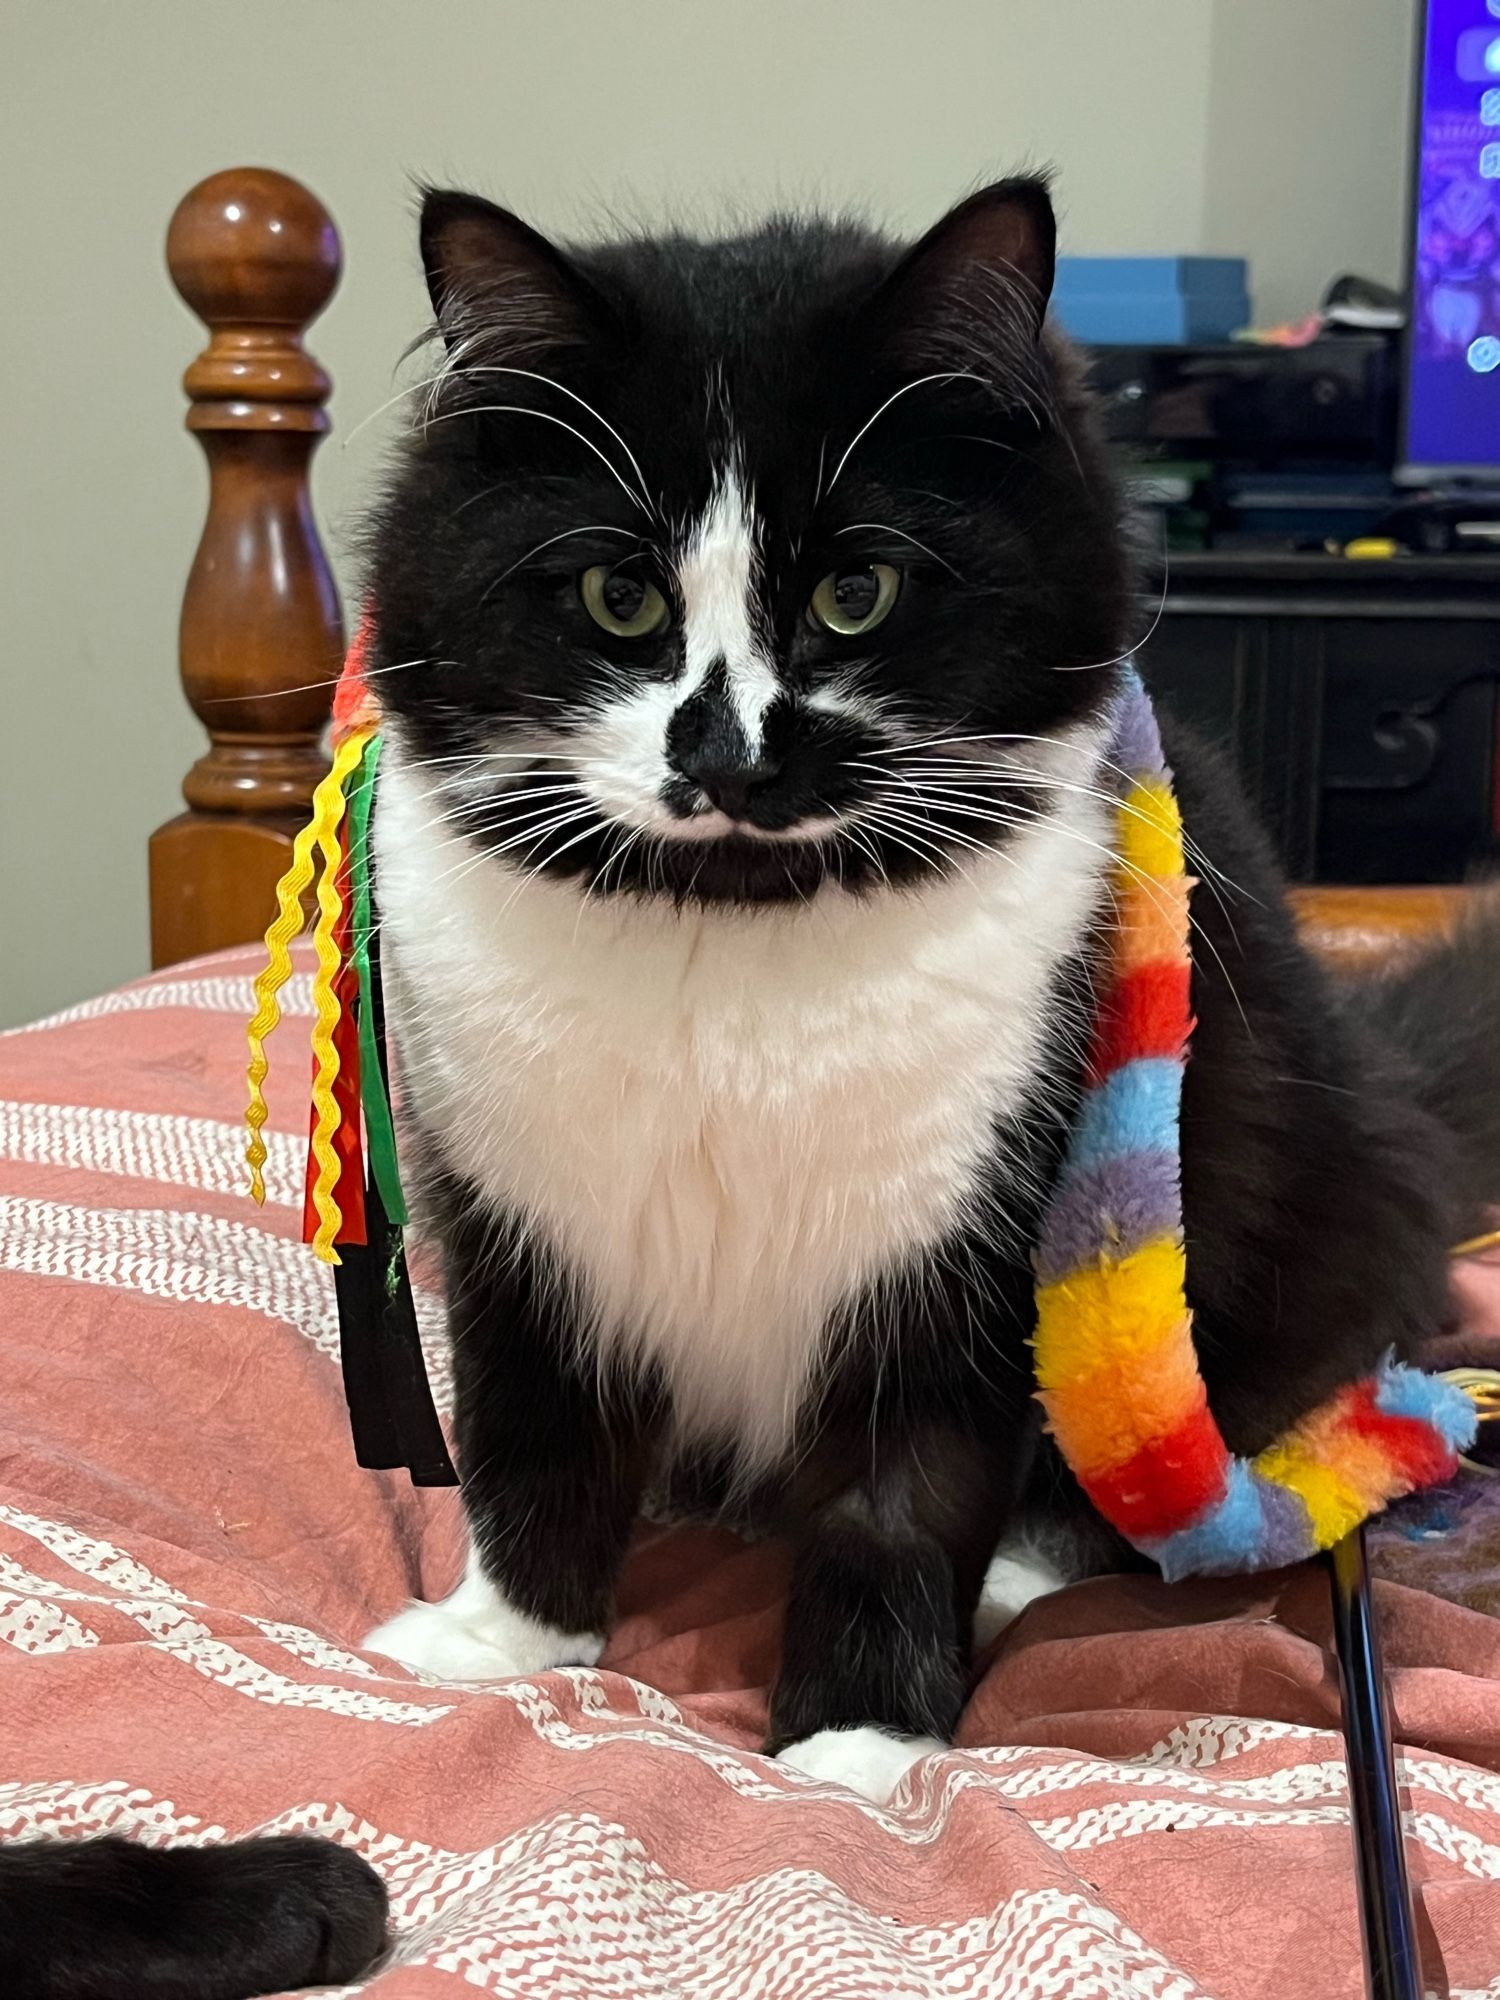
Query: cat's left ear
column 988, row 265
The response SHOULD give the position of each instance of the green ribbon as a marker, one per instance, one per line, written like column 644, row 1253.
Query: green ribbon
column 379, row 1129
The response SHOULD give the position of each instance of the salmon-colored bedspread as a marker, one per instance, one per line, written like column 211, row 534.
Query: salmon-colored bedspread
column 1149, row 1794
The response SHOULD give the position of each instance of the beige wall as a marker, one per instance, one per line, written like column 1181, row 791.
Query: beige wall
column 1306, row 160
column 1155, row 112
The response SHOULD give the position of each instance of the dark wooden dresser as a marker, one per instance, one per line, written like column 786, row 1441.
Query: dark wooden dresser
column 1361, row 698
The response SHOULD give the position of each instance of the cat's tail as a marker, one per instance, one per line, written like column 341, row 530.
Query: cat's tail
column 95, row 1919
column 1440, row 1012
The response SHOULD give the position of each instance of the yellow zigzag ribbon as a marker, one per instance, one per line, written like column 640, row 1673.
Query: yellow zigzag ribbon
column 319, row 834
column 326, row 999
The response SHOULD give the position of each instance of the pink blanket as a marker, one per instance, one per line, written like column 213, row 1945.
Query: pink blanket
column 1148, row 1798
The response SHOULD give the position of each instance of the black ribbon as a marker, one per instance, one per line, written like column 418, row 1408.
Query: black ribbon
column 392, row 1416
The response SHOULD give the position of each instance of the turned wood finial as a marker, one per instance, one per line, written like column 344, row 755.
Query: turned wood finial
column 257, row 257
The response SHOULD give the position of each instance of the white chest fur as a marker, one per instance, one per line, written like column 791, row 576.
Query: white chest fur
column 727, row 1123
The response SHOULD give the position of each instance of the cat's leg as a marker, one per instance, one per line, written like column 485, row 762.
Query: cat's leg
column 887, row 1572
column 551, row 1462
column 479, row 1632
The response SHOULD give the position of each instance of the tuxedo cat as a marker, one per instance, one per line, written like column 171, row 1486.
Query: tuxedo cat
column 747, row 618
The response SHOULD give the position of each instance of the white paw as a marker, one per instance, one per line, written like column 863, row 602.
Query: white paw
column 1012, row 1581
column 867, row 1760
column 474, row 1635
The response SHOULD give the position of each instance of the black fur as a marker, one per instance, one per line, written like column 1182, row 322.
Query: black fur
column 1438, row 1018
column 108, row 1920
column 1320, row 1196
column 1334, row 1144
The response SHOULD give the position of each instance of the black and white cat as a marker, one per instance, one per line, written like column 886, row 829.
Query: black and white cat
column 746, row 617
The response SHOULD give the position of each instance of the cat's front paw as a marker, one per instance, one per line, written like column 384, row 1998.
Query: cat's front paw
column 475, row 1635
column 867, row 1760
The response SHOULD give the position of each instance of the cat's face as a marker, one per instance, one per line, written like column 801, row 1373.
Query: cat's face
column 727, row 571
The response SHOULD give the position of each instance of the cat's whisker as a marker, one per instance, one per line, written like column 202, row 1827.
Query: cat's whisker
column 522, row 824
column 478, row 757
column 546, row 417
column 883, row 818
column 956, row 801
column 599, row 823
column 311, row 687
column 454, row 813
column 594, row 528
column 617, row 854
column 531, row 836
column 1000, row 770
column 885, row 528
column 1136, row 645
column 818, row 480
column 932, row 826
column 851, row 832
column 506, row 802
column 452, row 809
column 453, row 367
column 1039, row 816
column 505, row 782
column 475, row 837
column 943, row 375
column 1204, row 867
column 389, row 404
column 1053, row 742
column 531, row 375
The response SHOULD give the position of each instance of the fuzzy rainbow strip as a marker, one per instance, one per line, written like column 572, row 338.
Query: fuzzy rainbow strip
column 1116, row 1369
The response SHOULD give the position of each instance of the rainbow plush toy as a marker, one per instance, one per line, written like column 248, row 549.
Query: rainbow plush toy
column 1116, row 1368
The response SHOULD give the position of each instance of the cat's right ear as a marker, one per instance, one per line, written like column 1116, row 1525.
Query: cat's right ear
column 973, row 292
column 497, row 284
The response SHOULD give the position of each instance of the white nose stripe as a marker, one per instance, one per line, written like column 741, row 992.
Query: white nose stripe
column 716, row 574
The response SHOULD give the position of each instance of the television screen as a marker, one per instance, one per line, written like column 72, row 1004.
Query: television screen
column 1452, row 402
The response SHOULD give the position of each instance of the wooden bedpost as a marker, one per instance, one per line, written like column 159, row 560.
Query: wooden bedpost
column 256, row 256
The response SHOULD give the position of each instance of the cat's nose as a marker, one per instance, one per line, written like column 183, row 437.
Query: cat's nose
column 730, row 783
column 709, row 746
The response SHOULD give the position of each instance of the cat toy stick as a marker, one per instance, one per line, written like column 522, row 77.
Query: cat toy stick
column 1386, row 1919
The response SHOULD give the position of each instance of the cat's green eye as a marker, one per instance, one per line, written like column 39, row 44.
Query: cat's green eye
column 849, row 602
column 625, row 605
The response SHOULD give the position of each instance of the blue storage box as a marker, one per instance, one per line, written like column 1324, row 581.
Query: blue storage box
column 1151, row 301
